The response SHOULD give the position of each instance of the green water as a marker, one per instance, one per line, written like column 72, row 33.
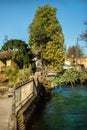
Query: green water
column 67, row 110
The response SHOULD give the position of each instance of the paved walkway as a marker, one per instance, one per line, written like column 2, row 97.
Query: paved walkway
column 5, row 112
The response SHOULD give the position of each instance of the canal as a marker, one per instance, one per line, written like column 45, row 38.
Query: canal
column 66, row 110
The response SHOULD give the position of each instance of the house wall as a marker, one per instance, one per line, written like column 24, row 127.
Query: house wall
column 2, row 65
column 83, row 61
column 8, row 63
column 79, row 61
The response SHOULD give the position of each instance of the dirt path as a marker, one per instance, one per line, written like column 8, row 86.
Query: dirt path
column 5, row 112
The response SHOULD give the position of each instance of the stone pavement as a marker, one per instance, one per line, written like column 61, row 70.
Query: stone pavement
column 5, row 112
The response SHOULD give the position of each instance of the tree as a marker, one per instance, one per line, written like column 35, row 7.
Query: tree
column 21, row 52
column 74, row 51
column 46, row 37
column 83, row 36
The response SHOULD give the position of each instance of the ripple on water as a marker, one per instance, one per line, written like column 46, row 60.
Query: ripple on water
column 67, row 110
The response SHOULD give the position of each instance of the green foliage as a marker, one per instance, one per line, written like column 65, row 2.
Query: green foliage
column 71, row 77
column 14, row 44
column 11, row 69
column 21, row 52
column 54, row 56
column 12, row 72
column 83, row 77
column 23, row 74
column 16, row 75
column 46, row 37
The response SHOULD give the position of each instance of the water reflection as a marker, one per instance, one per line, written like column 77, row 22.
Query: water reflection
column 67, row 110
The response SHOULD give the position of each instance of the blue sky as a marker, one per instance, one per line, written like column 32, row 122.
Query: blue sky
column 17, row 15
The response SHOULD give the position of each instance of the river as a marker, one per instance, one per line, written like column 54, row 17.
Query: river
column 66, row 110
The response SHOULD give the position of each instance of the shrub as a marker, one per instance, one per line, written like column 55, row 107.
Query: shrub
column 71, row 77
